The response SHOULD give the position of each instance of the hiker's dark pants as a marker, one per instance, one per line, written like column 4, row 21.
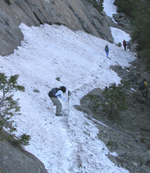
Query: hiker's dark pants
column 107, row 53
column 58, row 105
column 144, row 92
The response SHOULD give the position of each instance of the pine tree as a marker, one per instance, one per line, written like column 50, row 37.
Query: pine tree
column 9, row 107
column 126, row 6
column 141, row 34
column 139, row 11
column 98, row 4
column 116, row 100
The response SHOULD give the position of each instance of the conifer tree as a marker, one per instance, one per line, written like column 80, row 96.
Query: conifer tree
column 116, row 100
column 141, row 32
column 9, row 107
column 98, row 4
column 139, row 11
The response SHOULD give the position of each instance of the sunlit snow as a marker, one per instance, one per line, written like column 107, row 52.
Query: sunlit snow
column 67, row 144
column 109, row 8
column 116, row 35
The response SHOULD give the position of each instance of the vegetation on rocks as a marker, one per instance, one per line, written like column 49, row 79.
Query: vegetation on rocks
column 115, row 100
column 8, row 108
column 8, row 2
column 98, row 4
column 128, row 133
column 139, row 12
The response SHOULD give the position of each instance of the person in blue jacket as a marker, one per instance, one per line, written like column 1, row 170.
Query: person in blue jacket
column 107, row 50
column 55, row 99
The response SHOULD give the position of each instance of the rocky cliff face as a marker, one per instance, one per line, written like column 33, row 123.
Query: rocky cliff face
column 75, row 14
column 14, row 160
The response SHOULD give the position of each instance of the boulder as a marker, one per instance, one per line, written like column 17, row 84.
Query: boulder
column 14, row 160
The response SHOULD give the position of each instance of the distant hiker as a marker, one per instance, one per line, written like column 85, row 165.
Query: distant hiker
column 138, row 49
column 55, row 94
column 143, row 88
column 124, row 44
column 129, row 46
column 107, row 50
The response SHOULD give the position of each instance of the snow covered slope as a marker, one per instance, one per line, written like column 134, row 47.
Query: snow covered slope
column 67, row 144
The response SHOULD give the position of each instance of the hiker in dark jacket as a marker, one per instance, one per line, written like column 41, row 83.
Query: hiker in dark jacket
column 143, row 88
column 107, row 50
column 124, row 44
column 55, row 99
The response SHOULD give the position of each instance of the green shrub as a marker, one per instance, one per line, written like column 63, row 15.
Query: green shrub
column 119, row 44
column 58, row 78
column 36, row 91
column 115, row 101
column 97, row 4
column 22, row 140
column 8, row 2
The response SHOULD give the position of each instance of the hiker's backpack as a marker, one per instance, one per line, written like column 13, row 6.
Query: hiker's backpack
column 106, row 49
column 141, row 85
column 124, row 43
column 52, row 92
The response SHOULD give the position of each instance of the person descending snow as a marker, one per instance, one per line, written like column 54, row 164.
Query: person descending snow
column 107, row 50
column 54, row 95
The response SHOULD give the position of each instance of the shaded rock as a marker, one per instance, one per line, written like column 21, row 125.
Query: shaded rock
column 96, row 91
column 147, row 163
column 122, row 20
column 14, row 160
column 10, row 34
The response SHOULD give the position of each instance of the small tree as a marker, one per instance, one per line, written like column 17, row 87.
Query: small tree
column 115, row 100
column 98, row 4
column 119, row 44
column 8, row 2
column 8, row 106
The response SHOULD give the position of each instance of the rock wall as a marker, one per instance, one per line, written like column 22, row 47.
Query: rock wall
column 14, row 160
column 75, row 14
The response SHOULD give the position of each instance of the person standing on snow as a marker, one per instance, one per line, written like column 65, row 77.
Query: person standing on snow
column 124, row 44
column 55, row 94
column 129, row 46
column 107, row 50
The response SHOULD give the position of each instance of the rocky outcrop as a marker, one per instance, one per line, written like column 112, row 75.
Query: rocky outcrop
column 123, row 21
column 128, row 133
column 14, row 160
column 75, row 14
